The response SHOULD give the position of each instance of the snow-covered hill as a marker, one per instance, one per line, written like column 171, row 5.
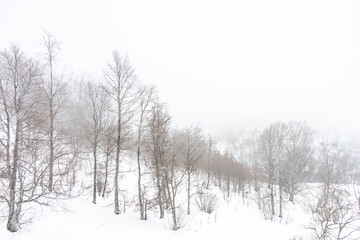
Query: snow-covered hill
column 84, row 220
column 234, row 217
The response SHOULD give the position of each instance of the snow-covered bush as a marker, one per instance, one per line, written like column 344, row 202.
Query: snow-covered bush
column 206, row 202
column 334, row 216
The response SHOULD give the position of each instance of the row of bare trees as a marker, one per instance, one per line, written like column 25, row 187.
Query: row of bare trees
column 51, row 128
column 51, row 134
column 285, row 158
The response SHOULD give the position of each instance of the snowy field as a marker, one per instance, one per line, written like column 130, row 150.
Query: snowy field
column 233, row 218
column 79, row 218
column 84, row 220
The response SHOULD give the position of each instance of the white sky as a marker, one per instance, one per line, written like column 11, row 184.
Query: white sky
column 228, row 65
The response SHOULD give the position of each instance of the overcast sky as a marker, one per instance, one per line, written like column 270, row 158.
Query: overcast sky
column 227, row 65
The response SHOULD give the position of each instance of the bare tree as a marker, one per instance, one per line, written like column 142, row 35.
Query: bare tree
column 158, row 142
column 244, row 150
column 20, row 79
column 328, row 158
column 121, row 89
column 193, row 151
column 97, row 105
column 173, row 178
column 144, row 101
column 52, row 47
column 299, row 157
column 75, row 135
column 271, row 148
column 209, row 157
column 107, row 145
column 333, row 215
column 354, row 170
column 355, row 180
column 164, row 147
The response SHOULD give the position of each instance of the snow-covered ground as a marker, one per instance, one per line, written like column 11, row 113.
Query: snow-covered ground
column 234, row 218
column 84, row 220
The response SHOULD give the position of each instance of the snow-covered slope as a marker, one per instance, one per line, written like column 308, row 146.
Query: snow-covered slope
column 84, row 220
column 234, row 218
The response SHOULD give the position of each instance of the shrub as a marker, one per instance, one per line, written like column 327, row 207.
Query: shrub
column 206, row 202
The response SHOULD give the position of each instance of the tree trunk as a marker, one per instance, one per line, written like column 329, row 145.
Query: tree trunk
column 8, row 165
column 160, row 202
column 117, row 163
column 139, row 184
column 95, row 171
column 116, row 185
column 243, row 191
column 12, row 217
column 188, row 192
column 51, row 140
column 280, row 196
column 291, row 198
column 256, row 187
column 272, row 200
column 208, row 180
column 172, row 203
column 228, row 186
column 106, row 174
column 173, row 214
column 117, row 158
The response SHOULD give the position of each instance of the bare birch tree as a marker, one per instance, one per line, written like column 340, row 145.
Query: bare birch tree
column 52, row 47
column 299, row 157
column 209, row 158
column 20, row 79
column 193, row 152
column 267, row 154
column 158, row 142
column 107, row 145
column 121, row 88
column 97, row 105
column 144, row 102
column 173, row 179
column 271, row 148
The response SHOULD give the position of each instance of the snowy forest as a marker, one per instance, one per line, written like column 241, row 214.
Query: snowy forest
column 111, row 141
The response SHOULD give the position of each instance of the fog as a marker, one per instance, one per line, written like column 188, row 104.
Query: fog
column 227, row 65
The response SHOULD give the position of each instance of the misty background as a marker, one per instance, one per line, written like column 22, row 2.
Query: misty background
column 226, row 65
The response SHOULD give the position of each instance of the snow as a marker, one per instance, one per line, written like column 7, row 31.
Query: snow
column 234, row 217
column 79, row 218
column 84, row 220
